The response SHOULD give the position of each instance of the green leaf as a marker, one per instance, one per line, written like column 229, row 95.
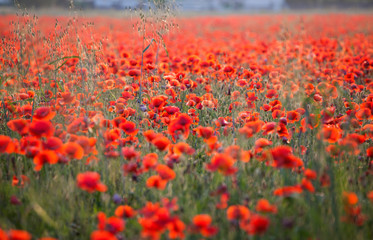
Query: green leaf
column 163, row 43
column 63, row 58
column 143, row 51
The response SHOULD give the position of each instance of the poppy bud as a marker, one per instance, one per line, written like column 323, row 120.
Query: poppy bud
column 14, row 200
column 288, row 223
column 283, row 120
column 285, row 139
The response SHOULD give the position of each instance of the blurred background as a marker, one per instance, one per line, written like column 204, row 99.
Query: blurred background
column 196, row 5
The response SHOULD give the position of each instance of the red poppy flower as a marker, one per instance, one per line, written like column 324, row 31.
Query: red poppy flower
column 73, row 150
column 19, row 235
column 282, row 131
column 102, row 235
column 288, row 190
column 310, row 122
column 171, row 110
column 334, row 151
column 115, row 225
column 363, row 114
column 251, row 128
column 283, row 157
column 90, row 182
column 44, row 113
column 262, row 143
column 182, row 147
column 156, row 182
column 134, row 72
column 368, row 130
column 3, row 235
column 238, row 212
column 212, row 143
column 43, row 157
column 52, row 143
column 129, row 128
column 370, row 196
column 352, row 209
column 202, row 224
column 180, row 126
column 176, row 229
column 251, row 96
column 324, row 180
column 130, row 153
column 25, row 110
column 293, row 116
column 161, row 142
column 88, row 144
column 228, row 69
column 67, row 98
column 309, row 88
column 112, row 134
column 125, row 211
column 205, row 132
column 278, row 114
column 264, row 206
column 349, row 146
column 223, row 163
column 202, row 220
column 150, row 161
column 350, row 198
column 310, row 174
column 330, row 134
column 19, row 125
column 158, row 102
column 327, row 90
column 266, row 107
column 257, row 225
column 165, row 172
column 301, row 111
column 6, row 144
column 359, row 139
column 224, row 197
column 41, row 128
column 370, row 152
column 150, row 135
column 317, row 97
column 117, row 121
column 271, row 93
column 269, row 128
column 246, row 156
column 126, row 95
column 307, row 185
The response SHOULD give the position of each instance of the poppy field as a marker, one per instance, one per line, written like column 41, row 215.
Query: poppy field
column 221, row 127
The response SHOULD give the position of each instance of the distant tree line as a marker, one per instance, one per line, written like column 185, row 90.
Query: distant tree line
column 297, row 4
column 293, row 4
column 41, row 3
